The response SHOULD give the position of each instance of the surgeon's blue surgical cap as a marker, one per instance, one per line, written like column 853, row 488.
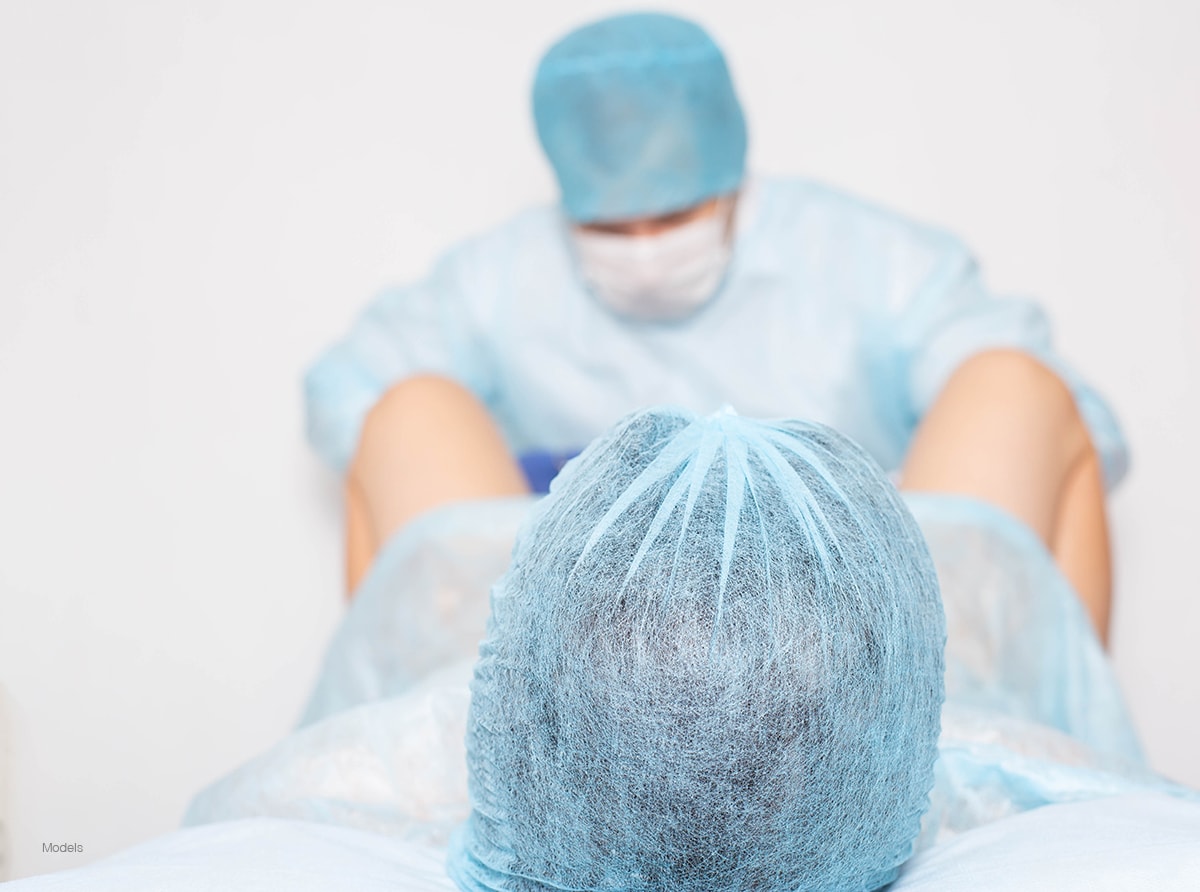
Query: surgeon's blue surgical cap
column 638, row 116
column 715, row 663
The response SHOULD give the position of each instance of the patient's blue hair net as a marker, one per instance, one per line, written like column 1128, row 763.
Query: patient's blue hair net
column 715, row 663
column 638, row 116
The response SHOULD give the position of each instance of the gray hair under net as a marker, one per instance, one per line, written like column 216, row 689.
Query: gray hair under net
column 714, row 664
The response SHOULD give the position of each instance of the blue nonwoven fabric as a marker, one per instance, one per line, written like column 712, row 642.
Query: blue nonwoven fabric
column 832, row 310
column 714, row 663
column 638, row 116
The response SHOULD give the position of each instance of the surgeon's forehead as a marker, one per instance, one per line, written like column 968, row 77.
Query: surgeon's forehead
column 653, row 224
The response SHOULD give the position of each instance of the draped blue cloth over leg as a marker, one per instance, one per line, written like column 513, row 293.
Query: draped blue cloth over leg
column 1033, row 714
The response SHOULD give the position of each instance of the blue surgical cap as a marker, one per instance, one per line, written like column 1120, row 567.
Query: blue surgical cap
column 638, row 116
column 715, row 663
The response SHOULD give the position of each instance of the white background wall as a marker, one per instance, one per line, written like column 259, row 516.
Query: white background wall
column 196, row 196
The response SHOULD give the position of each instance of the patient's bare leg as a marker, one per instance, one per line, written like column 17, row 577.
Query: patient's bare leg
column 1006, row 430
column 427, row 442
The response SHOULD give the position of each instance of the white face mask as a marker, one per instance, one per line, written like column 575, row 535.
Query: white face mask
column 658, row 277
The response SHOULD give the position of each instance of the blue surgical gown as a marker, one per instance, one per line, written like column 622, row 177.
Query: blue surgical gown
column 832, row 310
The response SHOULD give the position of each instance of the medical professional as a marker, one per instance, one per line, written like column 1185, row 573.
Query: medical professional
column 668, row 275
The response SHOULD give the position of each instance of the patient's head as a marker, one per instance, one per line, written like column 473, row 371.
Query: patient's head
column 715, row 663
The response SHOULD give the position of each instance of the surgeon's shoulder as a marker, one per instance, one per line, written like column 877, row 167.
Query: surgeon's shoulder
column 471, row 280
column 525, row 231
column 801, row 202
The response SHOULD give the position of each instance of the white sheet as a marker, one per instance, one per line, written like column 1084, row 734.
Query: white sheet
column 1126, row 843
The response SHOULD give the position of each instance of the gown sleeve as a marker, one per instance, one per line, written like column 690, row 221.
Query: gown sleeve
column 422, row 328
column 953, row 316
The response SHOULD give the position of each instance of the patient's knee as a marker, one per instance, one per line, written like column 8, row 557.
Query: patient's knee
column 416, row 410
column 1016, row 375
column 1016, row 384
column 422, row 394
column 1013, row 371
